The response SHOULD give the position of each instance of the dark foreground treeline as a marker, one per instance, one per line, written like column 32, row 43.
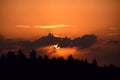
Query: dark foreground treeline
column 19, row 66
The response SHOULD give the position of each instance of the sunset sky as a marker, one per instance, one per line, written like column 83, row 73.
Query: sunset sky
column 29, row 19
column 32, row 19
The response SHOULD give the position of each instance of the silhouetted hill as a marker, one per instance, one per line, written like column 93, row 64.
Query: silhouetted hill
column 20, row 66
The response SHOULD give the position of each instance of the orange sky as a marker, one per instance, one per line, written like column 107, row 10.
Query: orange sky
column 80, row 16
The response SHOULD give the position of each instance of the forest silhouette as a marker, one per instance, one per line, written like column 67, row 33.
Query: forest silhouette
column 13, row 64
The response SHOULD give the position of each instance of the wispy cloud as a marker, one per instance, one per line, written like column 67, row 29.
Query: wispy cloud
column 115, row 28
column 46, row 26
column 114, row 34
column 52, row 26
column 23, row 26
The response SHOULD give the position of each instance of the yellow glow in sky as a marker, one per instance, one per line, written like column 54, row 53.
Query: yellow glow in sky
column 52, row 26
column 56, row 46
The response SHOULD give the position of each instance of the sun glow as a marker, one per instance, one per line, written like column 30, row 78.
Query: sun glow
column 56, row 51
column 56, row 46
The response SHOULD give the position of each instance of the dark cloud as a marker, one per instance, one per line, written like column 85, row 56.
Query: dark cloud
column 114, row 42
column 80, row 42
column 105, row 51
column 1, row 39
column 105, row 54
column 64, row 42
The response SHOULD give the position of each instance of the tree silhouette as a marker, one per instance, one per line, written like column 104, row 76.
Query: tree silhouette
column 70, row 59
column 94, row 63
column 21, row 55
column 33, row 54
column 59, row 67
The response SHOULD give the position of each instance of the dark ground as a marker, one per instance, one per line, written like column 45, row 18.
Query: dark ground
column 20, row 67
